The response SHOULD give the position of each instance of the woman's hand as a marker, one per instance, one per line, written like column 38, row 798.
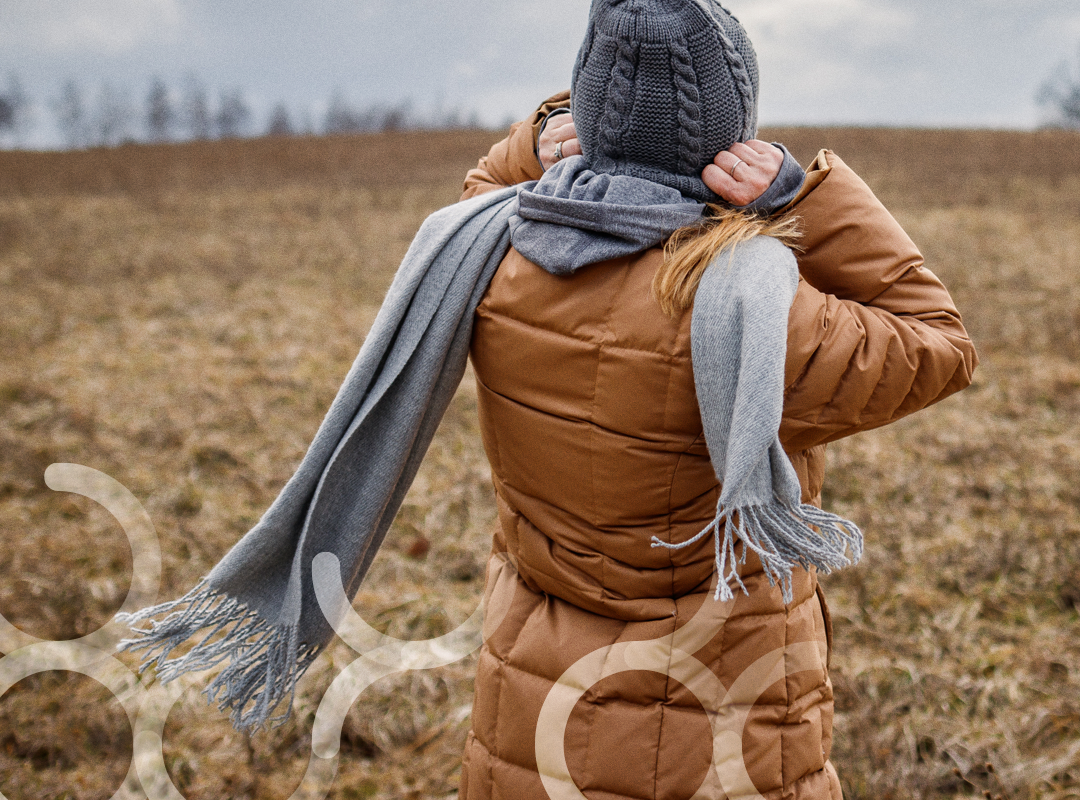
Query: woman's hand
column 559, row 128
column 755, row 163
column 742, row 173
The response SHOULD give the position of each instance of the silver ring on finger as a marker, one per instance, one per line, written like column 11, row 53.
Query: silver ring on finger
column 558, row 151
column 731, row 171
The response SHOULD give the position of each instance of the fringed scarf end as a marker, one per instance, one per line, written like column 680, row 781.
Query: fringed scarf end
column 265, row 660
column 782, row 537
column 724, row 555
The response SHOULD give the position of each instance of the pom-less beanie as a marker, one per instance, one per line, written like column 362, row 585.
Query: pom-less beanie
column 660, row 87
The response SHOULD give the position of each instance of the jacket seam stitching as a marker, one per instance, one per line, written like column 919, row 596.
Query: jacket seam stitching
column 605, row 327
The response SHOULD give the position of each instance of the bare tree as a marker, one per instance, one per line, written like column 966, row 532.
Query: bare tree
column 341, row 117
column 1061, row 93
column 396, row 118
column 14, row 110
column 71, row 116
column 280, row 124
column 7, row 115
column 195, row 110
column 160, row 114
column 113, row 117
column 233, row 115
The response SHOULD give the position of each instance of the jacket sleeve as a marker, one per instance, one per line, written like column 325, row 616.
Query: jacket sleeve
column 513, row 160
column 873, row 335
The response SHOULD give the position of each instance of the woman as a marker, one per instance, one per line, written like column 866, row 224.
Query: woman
column 656, row 427
column 593, row 428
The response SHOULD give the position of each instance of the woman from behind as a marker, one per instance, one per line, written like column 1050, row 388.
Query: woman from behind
column 656, row 424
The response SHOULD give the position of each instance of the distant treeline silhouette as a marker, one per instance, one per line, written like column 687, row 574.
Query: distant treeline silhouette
column 1061, row 94
column 107, row 115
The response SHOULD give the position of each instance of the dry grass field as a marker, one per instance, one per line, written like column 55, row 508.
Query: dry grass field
column 180, row 317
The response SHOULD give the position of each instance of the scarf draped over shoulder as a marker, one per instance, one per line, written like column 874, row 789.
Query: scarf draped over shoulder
column 258, row 605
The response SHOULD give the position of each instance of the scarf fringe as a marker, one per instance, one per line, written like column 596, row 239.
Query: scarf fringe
column 265, row 660
column 782, row 537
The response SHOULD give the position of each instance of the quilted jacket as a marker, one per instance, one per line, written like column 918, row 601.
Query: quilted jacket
column 614, row 673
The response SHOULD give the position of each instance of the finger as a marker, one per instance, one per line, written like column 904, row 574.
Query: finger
column 717, row 179
column 571, row 147
column 566, row 132
column 723, row 184
column 553, row 132
column 764, row 148
column 745, row 152
column 546, row 153
column 558, row 122
column 767, row 164
column 727, row 161
column 771, row 157
column 737, row 192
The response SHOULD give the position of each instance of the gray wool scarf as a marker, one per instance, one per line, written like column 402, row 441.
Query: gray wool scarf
column 738, row 340
column 257, row 606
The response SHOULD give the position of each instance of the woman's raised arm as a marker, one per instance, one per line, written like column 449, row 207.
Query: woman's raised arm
column 873, row 335
column 513, row 160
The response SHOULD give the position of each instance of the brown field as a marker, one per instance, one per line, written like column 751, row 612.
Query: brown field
column 180, row 317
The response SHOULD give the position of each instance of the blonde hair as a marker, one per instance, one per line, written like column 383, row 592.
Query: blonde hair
column 691, row 249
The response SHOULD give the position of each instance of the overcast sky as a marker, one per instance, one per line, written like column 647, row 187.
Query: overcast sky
column 882, row 62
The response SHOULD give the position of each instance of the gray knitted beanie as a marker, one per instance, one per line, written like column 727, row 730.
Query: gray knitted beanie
column 660, row 87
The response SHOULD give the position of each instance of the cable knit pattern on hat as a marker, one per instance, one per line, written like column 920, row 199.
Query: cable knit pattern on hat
column 689, row 108
column 660, row 87
column 747, row 92
column 617, row 113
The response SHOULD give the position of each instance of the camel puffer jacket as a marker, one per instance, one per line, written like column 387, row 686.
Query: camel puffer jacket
column 612, row 672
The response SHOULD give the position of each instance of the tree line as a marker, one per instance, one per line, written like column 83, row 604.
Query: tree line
column 1061, row 93
column 107, row 115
